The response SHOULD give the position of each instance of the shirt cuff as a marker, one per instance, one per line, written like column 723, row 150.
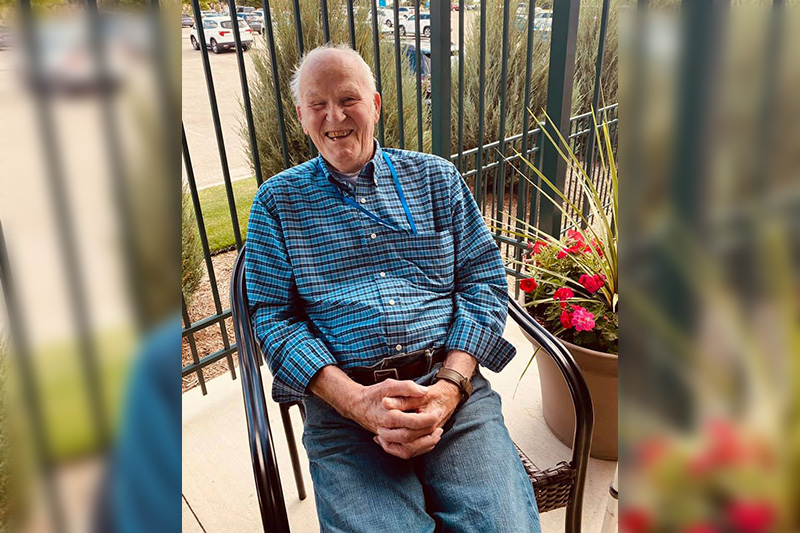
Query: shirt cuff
column 490, row 349
column 307, row 358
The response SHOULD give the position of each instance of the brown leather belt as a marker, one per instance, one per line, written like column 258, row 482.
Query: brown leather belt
column 400, row 367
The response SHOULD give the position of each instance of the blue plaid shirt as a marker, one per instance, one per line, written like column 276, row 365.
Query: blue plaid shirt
column 327, row 285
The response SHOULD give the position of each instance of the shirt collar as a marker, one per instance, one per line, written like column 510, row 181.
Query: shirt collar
column 376, row 164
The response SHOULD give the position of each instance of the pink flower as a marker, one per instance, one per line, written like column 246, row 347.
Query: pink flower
column 591, row 283
column 582, row 319
column 751, row 516
column 566, row 319
column 528, row 285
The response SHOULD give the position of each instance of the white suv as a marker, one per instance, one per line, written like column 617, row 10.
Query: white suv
column 219, row 34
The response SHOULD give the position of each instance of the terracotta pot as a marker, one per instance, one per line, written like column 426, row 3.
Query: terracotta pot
column 600, row 371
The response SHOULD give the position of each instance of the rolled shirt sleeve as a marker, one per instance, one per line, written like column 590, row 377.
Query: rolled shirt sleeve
column 480, row 297
column 293, row 352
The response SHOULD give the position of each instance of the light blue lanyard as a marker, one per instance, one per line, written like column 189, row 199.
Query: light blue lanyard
column 353, row 203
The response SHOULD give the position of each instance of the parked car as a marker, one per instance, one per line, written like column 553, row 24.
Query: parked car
column 219, row 34
column 255, row 22
column 67, row 65
column 6, row 37
column 187, row 21
column 409, row 25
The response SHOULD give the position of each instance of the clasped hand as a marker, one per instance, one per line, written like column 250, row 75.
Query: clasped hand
column 407, row 418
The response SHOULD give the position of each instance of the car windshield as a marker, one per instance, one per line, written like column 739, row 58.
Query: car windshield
column 227, row 24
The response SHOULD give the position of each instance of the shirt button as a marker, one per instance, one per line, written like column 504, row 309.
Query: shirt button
column 391, row 302
column 383, row 274
column 399, row 347
column 373, row 236
column 363, row 200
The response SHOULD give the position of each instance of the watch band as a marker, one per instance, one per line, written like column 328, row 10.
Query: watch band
column 463, row 383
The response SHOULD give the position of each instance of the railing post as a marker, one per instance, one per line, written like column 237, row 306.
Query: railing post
column 440, row 77
column 563, row 40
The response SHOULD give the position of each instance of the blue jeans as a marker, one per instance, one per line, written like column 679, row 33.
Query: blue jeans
column 472, row 481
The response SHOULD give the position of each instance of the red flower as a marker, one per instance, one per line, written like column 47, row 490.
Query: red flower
column 726, row 446
column 635, row 521
column 700, row 465
column 582, row 319
column 538, row 246
column 651, row 451
column 562, row 253
column 591, row 283
column 528, row 285
column 563, row 294
column 566, row 319
column 575, row 235
column 701, row 528
column 752, row 516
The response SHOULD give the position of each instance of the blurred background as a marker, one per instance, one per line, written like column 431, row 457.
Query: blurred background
column 710, row 246
column 89, row 216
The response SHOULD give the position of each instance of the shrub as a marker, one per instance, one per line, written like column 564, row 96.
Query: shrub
column 585, row 57
column 263, row 98
column 191, row 250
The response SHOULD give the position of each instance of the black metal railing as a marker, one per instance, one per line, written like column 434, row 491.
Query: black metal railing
column 486, row 164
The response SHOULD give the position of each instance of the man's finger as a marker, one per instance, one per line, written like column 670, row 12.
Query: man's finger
column 402, row 435
column 411, row 449
column 393, row 387
column 398, row 419
column 404, row 403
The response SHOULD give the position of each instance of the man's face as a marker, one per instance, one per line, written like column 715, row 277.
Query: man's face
column 338, row 110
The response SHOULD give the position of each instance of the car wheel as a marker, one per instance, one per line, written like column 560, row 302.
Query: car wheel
column 389, row 23
column 195, row 44
column 427, row 31
column 214, row 46
column 402, row 30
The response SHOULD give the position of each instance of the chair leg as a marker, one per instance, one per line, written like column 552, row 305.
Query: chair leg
column 287, row 428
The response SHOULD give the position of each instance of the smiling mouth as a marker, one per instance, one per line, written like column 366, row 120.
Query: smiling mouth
column 338, row 135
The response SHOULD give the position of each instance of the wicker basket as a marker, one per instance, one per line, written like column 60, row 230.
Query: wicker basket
column 552, row 486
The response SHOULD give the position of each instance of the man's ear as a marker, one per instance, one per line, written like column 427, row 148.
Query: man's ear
column 300, row 117
column 377, row 106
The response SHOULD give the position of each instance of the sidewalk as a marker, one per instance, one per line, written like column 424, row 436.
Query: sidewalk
column 218, row 488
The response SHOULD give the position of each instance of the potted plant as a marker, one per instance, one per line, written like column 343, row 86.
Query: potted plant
column 571, row 287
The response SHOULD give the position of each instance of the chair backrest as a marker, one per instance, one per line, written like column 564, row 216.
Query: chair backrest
column 262, row 451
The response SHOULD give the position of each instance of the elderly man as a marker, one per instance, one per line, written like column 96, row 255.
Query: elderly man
column 376, row 291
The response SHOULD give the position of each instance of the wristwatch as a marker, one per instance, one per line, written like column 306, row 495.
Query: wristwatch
column 464, row 384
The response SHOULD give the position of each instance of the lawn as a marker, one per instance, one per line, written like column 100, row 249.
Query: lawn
column 217, row 217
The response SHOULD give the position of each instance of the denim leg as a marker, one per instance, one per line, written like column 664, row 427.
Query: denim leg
column 473, row 479
column 357, row 486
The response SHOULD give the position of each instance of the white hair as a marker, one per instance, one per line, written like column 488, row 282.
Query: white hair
column 294, row 83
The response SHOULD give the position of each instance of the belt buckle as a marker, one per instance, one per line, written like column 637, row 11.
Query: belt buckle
column 386, row 373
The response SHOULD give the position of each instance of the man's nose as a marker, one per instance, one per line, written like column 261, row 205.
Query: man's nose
column 335, row 114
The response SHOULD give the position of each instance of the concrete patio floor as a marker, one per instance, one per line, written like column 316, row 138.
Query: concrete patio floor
column 218, row 488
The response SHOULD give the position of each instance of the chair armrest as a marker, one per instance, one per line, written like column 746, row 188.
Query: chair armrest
column 262, row 450
column 581, row 398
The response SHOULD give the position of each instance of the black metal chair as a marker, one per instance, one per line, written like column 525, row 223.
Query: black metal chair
column 556, row 487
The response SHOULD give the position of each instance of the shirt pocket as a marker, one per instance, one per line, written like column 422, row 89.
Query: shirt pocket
column 426, row 259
